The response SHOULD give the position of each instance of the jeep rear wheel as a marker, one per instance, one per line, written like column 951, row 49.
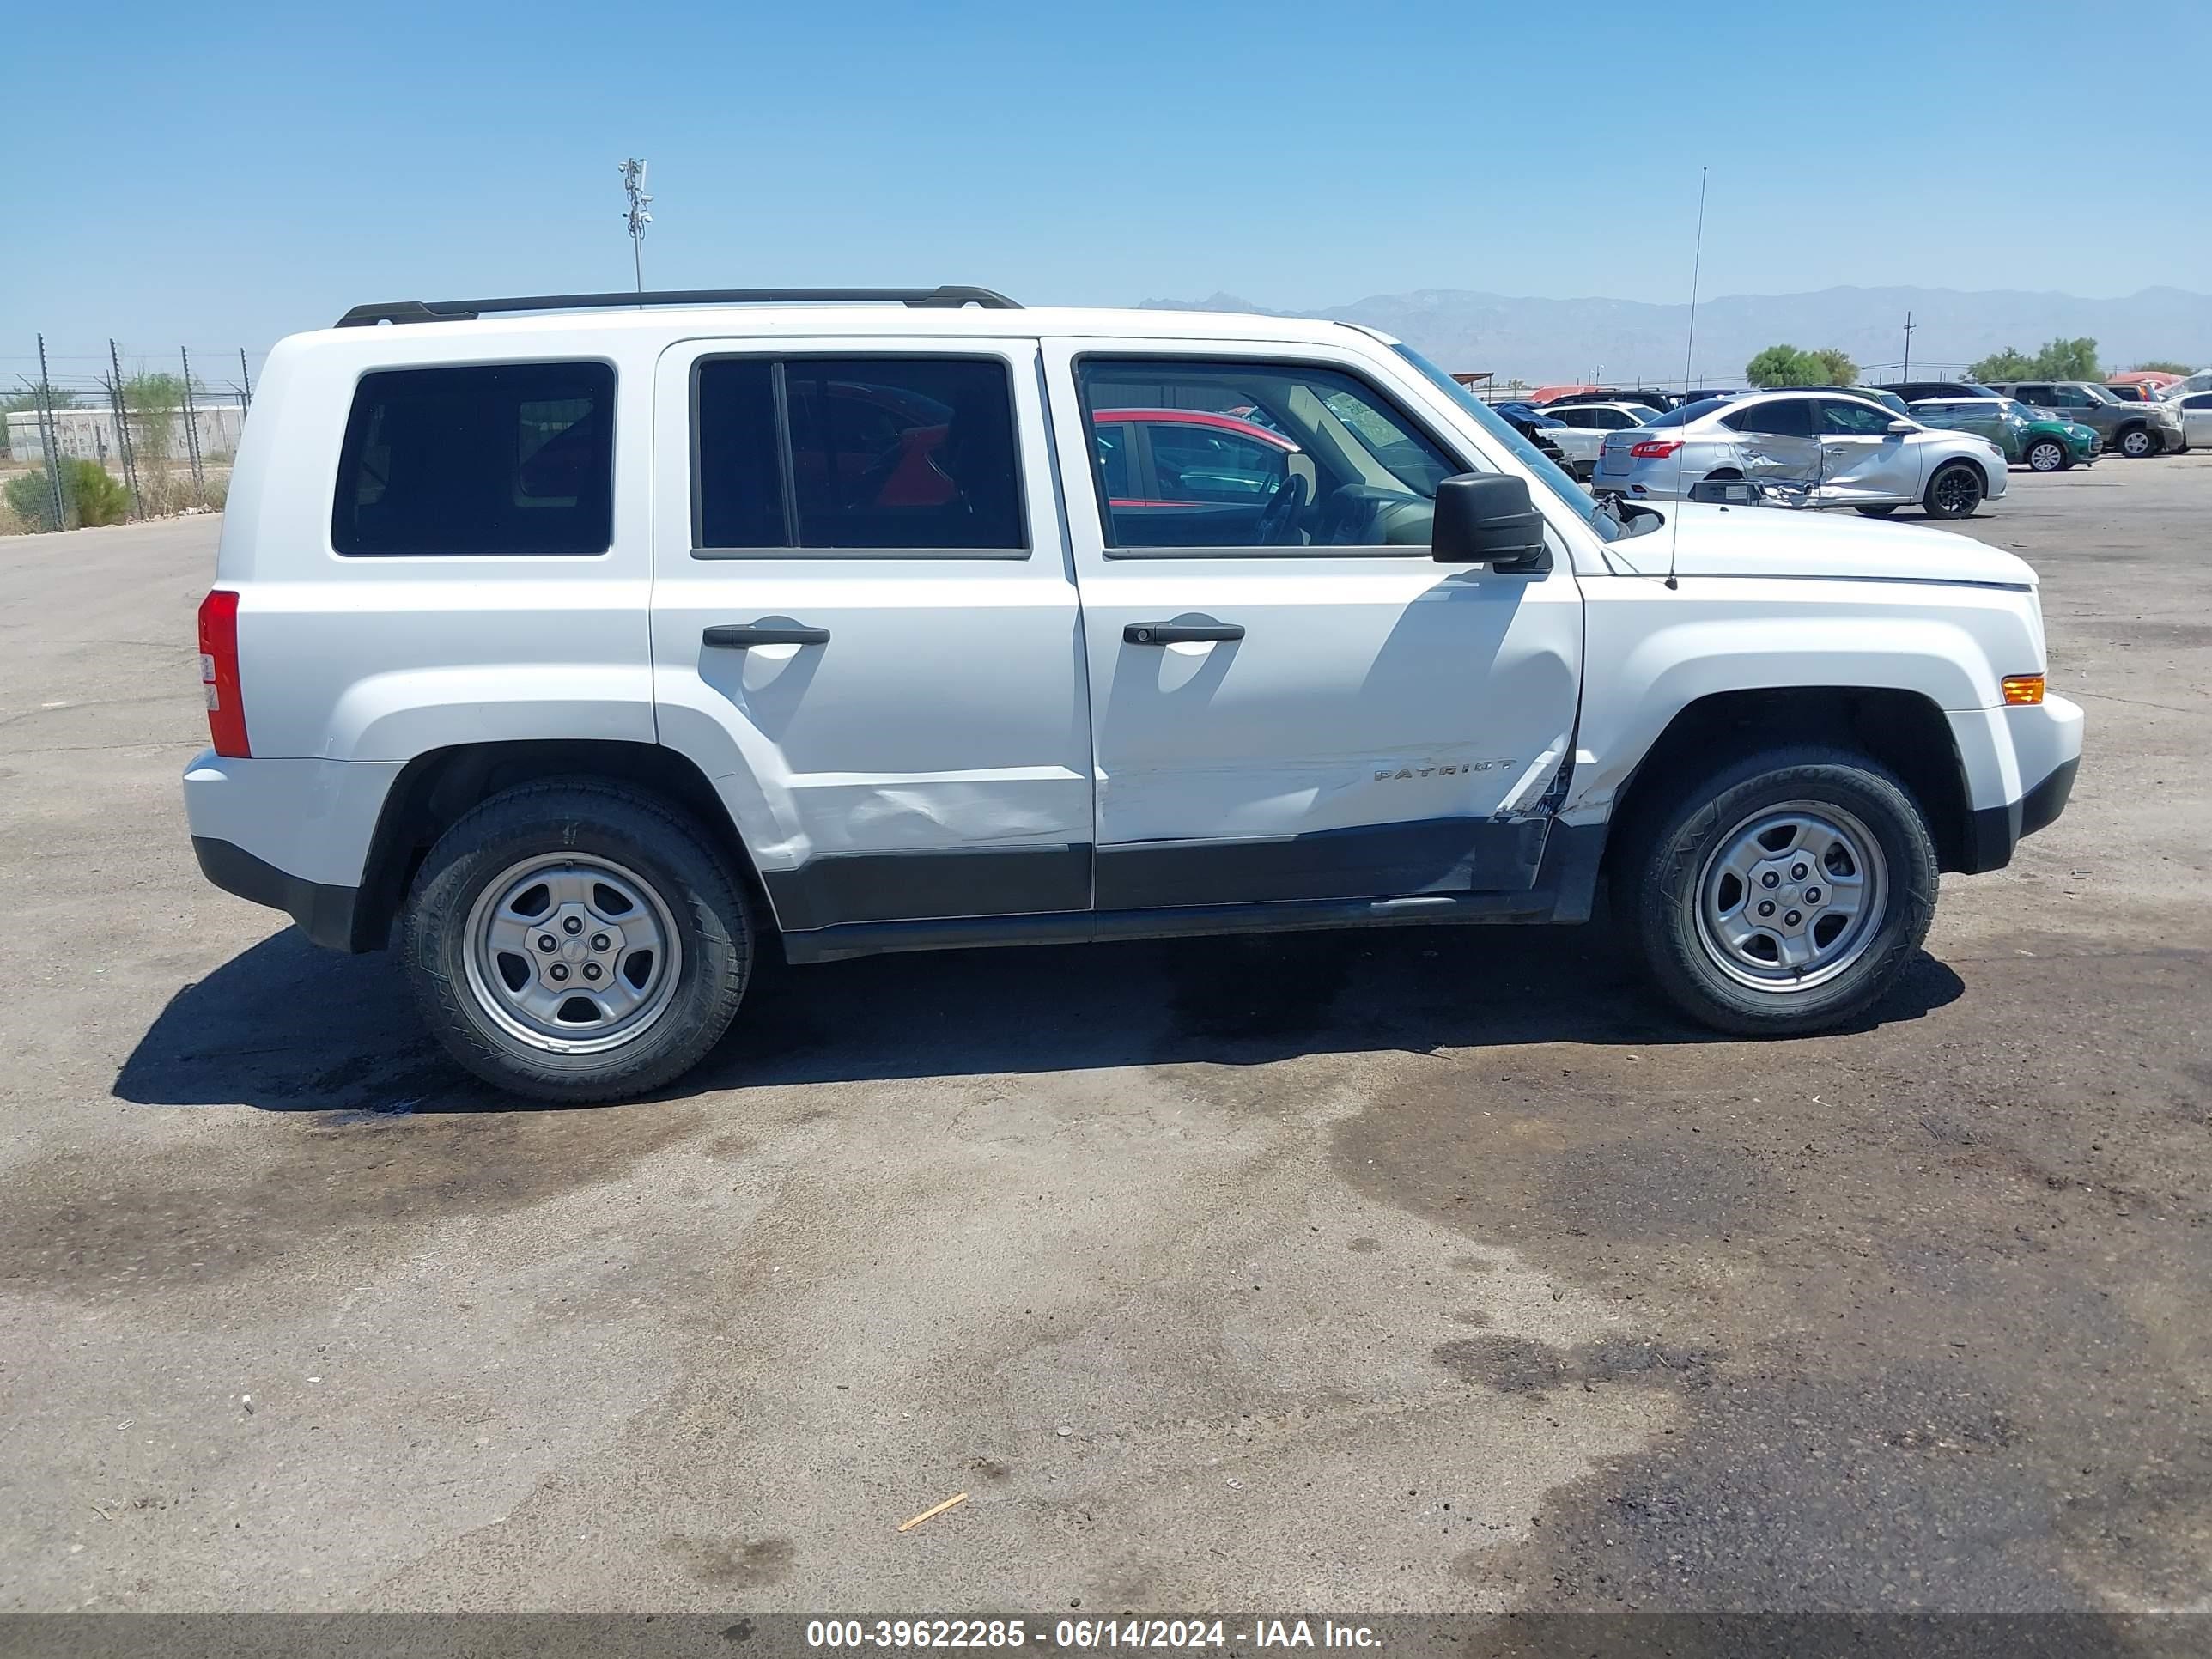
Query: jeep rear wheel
column 576, row 941
column 1784, row 894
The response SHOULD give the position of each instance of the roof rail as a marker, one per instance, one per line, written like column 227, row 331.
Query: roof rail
column 461, row 310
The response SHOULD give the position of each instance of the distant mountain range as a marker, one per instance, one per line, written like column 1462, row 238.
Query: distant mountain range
column 1541, row 340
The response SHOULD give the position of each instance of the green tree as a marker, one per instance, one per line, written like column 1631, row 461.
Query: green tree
column 1836, row 369
column 150, row 400
column 2001, row 366
column 2164, row 366
column 1784, row 365
column 2059, row 360
column 2069, row 360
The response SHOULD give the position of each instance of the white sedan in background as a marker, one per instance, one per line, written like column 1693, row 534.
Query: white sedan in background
column 1587, row 424
column 1817, row 449
column 2196, row 408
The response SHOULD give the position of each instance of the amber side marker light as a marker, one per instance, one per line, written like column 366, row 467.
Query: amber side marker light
column 2023, row 688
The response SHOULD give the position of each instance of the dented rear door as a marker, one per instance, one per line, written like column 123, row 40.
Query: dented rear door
column 863, row 629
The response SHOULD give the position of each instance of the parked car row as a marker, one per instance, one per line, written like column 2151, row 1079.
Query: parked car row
column 1943, row 445
column 2133, row 429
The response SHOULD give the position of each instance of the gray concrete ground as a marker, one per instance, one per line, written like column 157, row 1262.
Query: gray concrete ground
column 1382, row 1271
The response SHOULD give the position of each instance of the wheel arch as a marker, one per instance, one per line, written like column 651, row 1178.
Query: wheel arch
column 1903, row 730
column 434, row 788
column 1966, row 461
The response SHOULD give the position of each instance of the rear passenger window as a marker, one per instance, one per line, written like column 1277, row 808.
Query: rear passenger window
column 1785, row 417
column 865, row 455
column 903, row 453
column 502, row 458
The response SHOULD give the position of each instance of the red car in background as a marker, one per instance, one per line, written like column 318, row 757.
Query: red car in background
column 1188, row 458
column 1149, row 457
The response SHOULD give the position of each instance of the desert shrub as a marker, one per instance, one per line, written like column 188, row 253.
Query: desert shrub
column 95, row 496
column 98, row 494
column 27, row 500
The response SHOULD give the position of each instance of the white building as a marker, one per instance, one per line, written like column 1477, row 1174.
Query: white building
column 88, row 433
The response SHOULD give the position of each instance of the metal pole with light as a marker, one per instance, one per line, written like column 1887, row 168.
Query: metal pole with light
column 637, row 218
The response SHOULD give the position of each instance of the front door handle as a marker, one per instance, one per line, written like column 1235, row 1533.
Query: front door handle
column 1183, row 630
column 739, row 635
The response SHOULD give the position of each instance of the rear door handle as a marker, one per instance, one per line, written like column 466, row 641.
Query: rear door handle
column 739, row 635
column 1183, row 630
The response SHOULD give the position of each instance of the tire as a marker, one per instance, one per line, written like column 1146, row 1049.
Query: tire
column 2048, row 455
column 1954, row 493
column 1882, row 512
column 631, row 892
column 1861, row 815
column 2136, row 442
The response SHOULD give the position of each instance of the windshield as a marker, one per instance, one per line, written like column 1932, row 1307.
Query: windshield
column 1584, row 505
column 2097, row 393
column 2019, row 410
column 1689, row 412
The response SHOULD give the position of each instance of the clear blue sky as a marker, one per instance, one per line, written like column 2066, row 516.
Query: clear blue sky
column 220, row 175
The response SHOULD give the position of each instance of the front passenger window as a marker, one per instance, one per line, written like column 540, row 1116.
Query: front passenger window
column 1844, row 419
column 1260, row 455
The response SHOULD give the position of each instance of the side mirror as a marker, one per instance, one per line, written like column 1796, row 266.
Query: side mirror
column 1486, row 517
column 1900, row 429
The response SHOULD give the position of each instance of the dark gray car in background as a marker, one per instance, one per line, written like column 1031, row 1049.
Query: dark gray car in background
column 2133, row 429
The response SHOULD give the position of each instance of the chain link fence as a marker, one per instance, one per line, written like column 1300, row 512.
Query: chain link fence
column 93, row 437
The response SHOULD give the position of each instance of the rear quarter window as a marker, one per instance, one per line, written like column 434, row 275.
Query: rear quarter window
column 508, row 458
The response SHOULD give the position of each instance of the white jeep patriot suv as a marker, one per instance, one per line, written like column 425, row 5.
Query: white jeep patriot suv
column 588, row 643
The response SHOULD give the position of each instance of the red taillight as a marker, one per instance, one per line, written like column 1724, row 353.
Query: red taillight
column 226, row 705
column 1655, row 449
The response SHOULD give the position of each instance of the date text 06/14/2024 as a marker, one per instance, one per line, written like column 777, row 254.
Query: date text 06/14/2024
column 1083, row 1634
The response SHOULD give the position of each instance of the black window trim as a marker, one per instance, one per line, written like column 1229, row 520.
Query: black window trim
column 565, row 360
column 777, row 358
column 1192, row 351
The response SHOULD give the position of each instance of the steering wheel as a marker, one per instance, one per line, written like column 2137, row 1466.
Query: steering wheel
column 1282, row 508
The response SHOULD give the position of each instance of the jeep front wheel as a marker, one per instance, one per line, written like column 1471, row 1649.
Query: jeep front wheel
column 576, row 941
column 1785, row 893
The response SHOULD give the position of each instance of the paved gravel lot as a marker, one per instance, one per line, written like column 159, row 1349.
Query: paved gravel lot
column 1380, row 1272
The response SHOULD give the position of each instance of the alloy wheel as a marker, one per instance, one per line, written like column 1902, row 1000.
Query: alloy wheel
column 1957, row 492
